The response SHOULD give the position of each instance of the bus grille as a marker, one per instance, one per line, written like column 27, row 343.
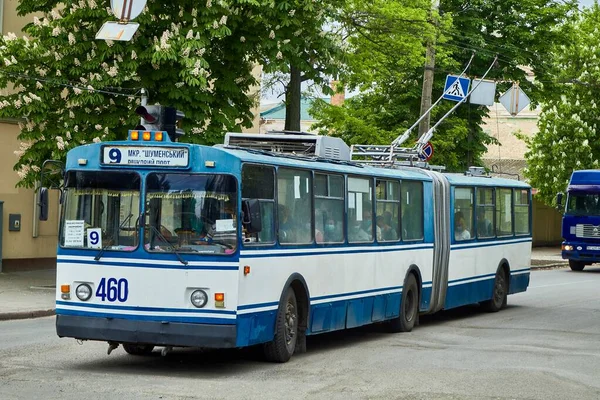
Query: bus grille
column 587, row 231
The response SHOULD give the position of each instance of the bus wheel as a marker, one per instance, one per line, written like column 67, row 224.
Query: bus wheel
column 576, row 265
column 409, row 308
column 500, row 294
column 281, row 348
column 138, row 349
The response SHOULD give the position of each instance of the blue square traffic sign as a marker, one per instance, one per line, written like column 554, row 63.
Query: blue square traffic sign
column 456, row 88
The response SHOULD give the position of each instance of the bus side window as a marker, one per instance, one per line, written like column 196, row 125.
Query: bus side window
column 504, row 212
column 522, row 212
column 258, row 182
column 329, row 208
column 360, row 219
column 387, row 194
column 463, row 213
column 294, row 202
column 412, row 210
column 485, row 213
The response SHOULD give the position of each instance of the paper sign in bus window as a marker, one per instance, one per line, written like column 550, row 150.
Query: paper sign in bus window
column 224, row 225
column 74, row 233
column 94, row 238
column 296, row 187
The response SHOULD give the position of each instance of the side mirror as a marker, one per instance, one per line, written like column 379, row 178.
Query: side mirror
column 559, row 198
column 43, row 204
column 252, row 218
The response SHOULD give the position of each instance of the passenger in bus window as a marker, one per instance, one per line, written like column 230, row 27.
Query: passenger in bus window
column 286, row 231
column 387, row 232
column 356, row 233
column 484, row 225
column 460, row 232
column 333, row 231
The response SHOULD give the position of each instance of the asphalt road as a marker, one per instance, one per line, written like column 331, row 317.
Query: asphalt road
column 545, row 345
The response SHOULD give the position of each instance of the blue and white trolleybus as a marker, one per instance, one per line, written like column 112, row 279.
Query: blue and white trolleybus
column 171, row 244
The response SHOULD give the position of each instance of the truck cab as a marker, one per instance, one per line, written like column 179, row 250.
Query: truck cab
column 581, row 220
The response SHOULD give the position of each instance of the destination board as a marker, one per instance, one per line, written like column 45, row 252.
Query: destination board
column 145, row 156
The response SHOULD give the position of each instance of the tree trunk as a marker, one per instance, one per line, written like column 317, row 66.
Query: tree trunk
column 292, row 101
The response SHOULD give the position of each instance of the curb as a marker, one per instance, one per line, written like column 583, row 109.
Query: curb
column 550, row 265
column 26, row 314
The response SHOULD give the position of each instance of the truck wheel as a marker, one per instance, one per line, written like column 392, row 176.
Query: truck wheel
column 576, row 265
column 409, row 308
column 138, row 349
column 499, row 296
column 281, row 348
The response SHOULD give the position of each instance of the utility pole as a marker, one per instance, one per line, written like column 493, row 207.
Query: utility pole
column 428, row 74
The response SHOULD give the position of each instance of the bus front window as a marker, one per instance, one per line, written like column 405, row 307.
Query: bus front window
column 191, row 213
column 100, row 211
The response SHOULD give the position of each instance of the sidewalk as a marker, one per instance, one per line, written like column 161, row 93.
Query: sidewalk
column 31, row 294
column 27, row 294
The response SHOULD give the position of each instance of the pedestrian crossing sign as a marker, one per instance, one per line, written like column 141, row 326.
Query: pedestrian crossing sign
column 456, row 88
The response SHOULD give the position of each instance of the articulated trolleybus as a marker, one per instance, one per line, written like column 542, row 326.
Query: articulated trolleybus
column 170, row 244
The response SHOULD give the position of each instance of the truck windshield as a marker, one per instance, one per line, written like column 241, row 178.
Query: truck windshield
column 191, row 213
column 583, row 204
column 101, row 209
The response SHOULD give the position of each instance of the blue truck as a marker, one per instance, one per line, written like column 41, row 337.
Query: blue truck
column 581, row 220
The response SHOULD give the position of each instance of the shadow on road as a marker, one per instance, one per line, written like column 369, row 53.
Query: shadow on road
column 209, row 363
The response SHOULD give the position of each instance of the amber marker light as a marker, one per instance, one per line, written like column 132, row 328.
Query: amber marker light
column 246, row 269
column 220, row 300
column 146, row 136
column 135, row 135
column 158, row 136
column 65, row 291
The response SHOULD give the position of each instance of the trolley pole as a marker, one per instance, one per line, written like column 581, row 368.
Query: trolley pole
column 428, row 75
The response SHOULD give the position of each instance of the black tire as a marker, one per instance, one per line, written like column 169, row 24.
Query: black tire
column 283, row 345
column 500, row 293
column 576, row 265
column 138, row 349
column 409, row 307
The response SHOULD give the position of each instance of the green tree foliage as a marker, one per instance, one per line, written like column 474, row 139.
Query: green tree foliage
column 68, row 89
column 311, row 46
column 568, row 128
column 388, row 53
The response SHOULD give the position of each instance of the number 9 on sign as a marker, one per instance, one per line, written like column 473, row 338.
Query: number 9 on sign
column 114, row 155
column 94, row 238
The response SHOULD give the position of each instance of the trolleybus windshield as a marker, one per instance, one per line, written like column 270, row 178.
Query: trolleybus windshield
column 101, row 210
column 191, row 213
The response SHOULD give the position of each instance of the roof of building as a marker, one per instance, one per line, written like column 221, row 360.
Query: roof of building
column 277, row 111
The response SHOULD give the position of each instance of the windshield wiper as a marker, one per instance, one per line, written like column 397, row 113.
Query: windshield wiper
column 104, row 248
column 161, row 237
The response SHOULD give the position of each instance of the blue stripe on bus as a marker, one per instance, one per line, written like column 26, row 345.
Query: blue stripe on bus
column 461, row 246
column 258, row 305
column 195, row 320
column 477, row 277
column 311, row 252
column 140, row 265
column 332, row 296
column 149, row 309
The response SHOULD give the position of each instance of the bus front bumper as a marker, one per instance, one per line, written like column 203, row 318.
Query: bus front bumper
column 577, row 251
column 146, row 332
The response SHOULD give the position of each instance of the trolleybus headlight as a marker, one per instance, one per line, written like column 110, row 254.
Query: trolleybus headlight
column 83, row 292
column 567, row 247
column 199, row 298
